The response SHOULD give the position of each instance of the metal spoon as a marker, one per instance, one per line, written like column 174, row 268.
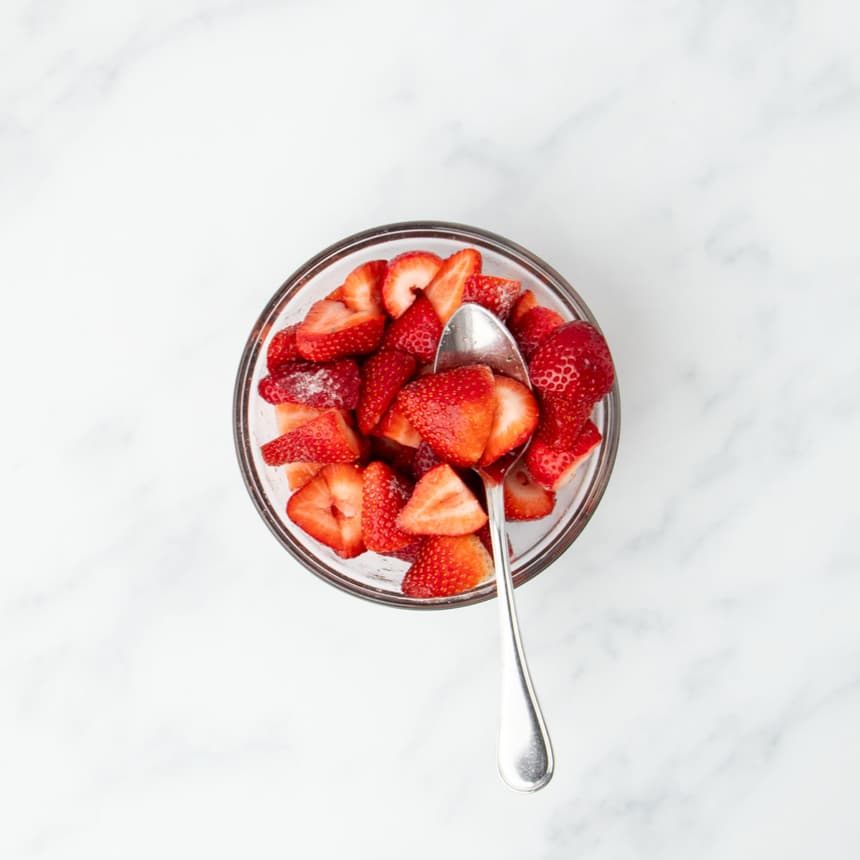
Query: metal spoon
column 473, row 335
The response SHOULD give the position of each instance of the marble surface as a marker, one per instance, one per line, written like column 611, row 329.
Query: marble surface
column 171, row 685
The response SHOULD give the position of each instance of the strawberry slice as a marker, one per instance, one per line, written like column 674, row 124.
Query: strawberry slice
column 497, row 295
column 553, row 468
column 298, row 474
column 334, row 385
column 407, row 274
column 328, row 508
column 282, row 349
column 382, row 376
column 452, row 411
column 288, row 416
column 424, row 460
column 410, row 551
column 446, row 566
column 396, row 426
column 332, row 330
column 362, row 289
column 483, row 535
column 398, row 456
column 445, row 291
column 573, row 361
column 326, row 439
column 384, row 495
column 441, row 504
column 562, row 420
column 417, row 331
column 533, row 328
column 515, row 418
column 522, row 305
column 336, row 295
column 525, row 499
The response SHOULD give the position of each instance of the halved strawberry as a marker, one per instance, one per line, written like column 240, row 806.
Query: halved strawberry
column 515, row 417
column 410, row 551
column 336, row 295
column 446, row 566
column 328, row 508
column 424, row 460
column 398, row 456
column 533, row 328
column 497, row 295
column 395, row 425
column 445, row 291
column 382, row 376
column 326, row 439
column 288, row 416
column 417, row 331
column 332, row 330
column 553, row 468
column 384, row 495
column 522, row 305
column 362, row 289
column 525, row 499
column 282, row 348
column 298, row 474
column 441, row 504
column 483, row 535
column 452, row 411
column 405, row 275
column 562, row 420
column 333, row 385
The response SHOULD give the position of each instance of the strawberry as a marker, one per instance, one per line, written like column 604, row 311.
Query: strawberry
column 282, row 348
column 332, row 330
column 288, row 415
column 399, row 457
column 573, row 361
column 336, row 295
column 562, row 420
column 523, row 304
column 533, row 328
column 446, row 566
column 395, row 425
column 525, row 499
column 384, row 495
column 445, row 291
column 453, row 411
column 328, row 508
column 298, row 474
column 553, row 468
column 333, row 385
column 409, row 552
column 424, row 460
column 362, row 289
column 405, row 275
column 515, row 418
column 417, row 331
column 441, row 504
column 497, row 295
column 326, row 439
column 382, row 376
column 483, row 535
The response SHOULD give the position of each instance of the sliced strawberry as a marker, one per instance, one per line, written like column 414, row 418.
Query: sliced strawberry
column 533, row 328
column 395, row 425
column 515, row 417
column 497, row 295
column 522, row 305
column 332, row 330
column 453, row 411
column 553, row 468
column 562, row 420
column 336, row 295
column 282, row 348
column 417, row 331
column 362, row 289
column 424, row 460
column 573, row 361
column 483, row 535
column 441, row 504
column 445, row 291
column 298, row 474
column 525, row 499
column 410, row 551
column 328, row 508
column 407, row 274
column 399, row 457
column 334, row 385
column 382, row 376
column 446, row 566
column 291, row 415
column 385, row 493
column 326, row 439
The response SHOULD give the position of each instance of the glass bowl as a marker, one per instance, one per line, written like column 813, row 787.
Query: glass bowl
column 536, row 545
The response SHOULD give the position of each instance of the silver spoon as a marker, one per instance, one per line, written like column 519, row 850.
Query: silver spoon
column 473, row 335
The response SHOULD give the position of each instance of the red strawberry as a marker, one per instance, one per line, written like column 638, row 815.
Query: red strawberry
column 446, row 566
column 441, row 504
column 497, row 295
column 362, row 289
column 525, row 499
column 407, row 274
column 298, row 474
column 483, row 535
column 336, row 295
column 416, row 332
column 445, row 291
column 562, row 420
column 395, row 425
column 553, row 468
column 291, row 415
column 522, row 305
column 326, row 439
column 515, row 418
column 382, row 376
column 328, row 508
column 409, row 552
column 533, row 328
column 573, row 361
column 397, row 456
column 282, row 348
column 332, row 330
column 326, row 386
column 424, row 460
column 385, row 493
column 453, row 411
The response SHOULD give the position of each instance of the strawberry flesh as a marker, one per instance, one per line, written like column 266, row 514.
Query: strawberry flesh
column 441, row 504
column 497, row 295
column 515, row 417
column 445, row 291
column 525, row 499
column 397, row 427
column 405, row 276
column 326, row 439
column 332, row 330
column 522, row 305
column 332, row 385
column 362, row 289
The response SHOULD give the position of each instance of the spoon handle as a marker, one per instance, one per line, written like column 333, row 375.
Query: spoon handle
column 525, row 752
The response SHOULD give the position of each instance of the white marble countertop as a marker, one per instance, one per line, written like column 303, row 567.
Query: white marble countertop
column 173, row 686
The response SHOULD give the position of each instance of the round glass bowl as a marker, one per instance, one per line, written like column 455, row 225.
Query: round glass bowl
column 375, row 577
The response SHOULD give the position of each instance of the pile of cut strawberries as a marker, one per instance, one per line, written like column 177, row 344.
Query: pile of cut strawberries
column 379, row 450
